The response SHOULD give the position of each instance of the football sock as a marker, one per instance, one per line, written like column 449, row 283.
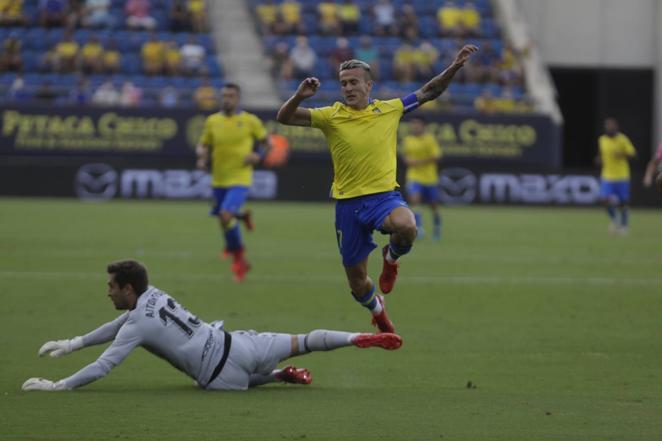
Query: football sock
column 369, row 300
column 258, row 379
column 233, row 238
column 611, row 211
column 625, row 216
column 396, row 251
column 419, row 220
column 437, row 225
column 324, row 340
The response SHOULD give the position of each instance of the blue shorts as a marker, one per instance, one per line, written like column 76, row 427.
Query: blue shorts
column 429, row 193
column 357, row 218
column 615, row 189
column 228, row 199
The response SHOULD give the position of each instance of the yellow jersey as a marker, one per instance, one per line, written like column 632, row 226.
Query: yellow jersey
column 230, row 139
column 615, row 168
column 362, row 144
column 421, row 147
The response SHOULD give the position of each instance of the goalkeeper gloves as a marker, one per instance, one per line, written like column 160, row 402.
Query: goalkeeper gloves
column 59, row 348
column 43, row 384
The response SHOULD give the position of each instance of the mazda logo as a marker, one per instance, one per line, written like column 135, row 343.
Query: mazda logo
column 96, row 182
column 457, row 186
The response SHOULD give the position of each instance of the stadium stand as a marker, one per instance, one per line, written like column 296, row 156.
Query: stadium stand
column 406, row 42
column 64, row 51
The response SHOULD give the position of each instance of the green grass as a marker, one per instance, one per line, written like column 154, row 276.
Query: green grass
column 558, row 325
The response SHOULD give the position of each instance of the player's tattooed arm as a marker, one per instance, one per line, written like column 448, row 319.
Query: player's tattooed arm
column 437, row 85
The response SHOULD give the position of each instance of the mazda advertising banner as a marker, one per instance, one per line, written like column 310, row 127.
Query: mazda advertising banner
column 300, row 180
column 89, row 131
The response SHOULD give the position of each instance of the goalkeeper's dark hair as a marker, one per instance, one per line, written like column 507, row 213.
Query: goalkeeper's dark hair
column 356, row 64
column 234, row 86
column 129, row 272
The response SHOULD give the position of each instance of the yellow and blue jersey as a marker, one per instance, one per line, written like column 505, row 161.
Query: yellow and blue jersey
column 417, row 148
column 615, row 167
column 362, row 144
column 230, row 139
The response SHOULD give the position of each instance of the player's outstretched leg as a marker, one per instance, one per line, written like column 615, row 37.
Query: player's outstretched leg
column 363, row 291
column 402, row 225
column 325, row 340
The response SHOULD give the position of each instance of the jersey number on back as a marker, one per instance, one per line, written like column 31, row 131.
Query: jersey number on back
column 180, row 317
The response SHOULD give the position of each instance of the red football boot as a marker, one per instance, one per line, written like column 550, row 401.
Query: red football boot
column 381, row 320
column 240, row 265
column 389, row 273
column 295, row 375
column 383, row 340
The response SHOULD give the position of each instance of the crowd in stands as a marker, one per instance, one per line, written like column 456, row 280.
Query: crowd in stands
column 406, row 42
column 106, row 52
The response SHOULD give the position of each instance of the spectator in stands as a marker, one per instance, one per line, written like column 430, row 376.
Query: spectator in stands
column 138, row 15
column 408, row 23
column 506, row 103
column 74, row 12
column 205, row 96
column 349, row 14
column 329, row 21
column 303, row 58
column 81, row 93
column 369, row 53
column 45, row 92
column 290, row 14
column 485, row 103
column 404, row 63
column 130, row 95
column 112, row 58
column 66, row 54
column 169, row 97
column 384, row 16
column 425, row 58
column 341, row 53
column 198, row 15
column 153, row 56
column 96, row 14
column 11, row 13
column 52, row 13
column 10, row 57
column 449, row 17
column 91, row 56
column 106, row 95
column 179, row 17
column 16, row 91
column 282, row 67
column 266, row 12
column 193, row 57
column 511, row 72
column 173, row 58
column 470, row 19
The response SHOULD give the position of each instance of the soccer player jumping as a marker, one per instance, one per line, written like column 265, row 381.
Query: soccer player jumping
column 215, row 358
column 227, row 142
column 362, row 138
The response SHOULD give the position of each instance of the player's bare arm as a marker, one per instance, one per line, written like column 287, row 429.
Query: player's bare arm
column 202, row 152
column 650, row 172
column 290, row 113
column 437, row 85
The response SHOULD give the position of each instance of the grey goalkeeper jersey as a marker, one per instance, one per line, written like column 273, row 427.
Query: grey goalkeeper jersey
column 162, row 326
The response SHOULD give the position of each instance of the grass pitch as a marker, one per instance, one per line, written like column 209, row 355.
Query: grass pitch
column 556, row 325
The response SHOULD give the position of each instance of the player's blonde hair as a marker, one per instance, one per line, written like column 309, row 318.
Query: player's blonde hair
column 356, row 64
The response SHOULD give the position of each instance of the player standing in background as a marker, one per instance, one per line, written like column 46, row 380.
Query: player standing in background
column 421, row 154
column 652, row 167
column 214, row 358
column 362, row 138
column 227, row 142
column 615, row 152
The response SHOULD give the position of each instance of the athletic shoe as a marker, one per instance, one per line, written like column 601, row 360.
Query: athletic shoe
column 381, row 320
column 389, row 273
column 240, row 268
column 623, row 231
column 383, row 340
column 294, row 375
column 613, row 228
column 247, row 219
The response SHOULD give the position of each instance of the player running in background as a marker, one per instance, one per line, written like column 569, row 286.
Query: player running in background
column 215, row 358
column 652, row 167
column 421, row 154
column 362, row 138
column 227, row 146
column 615, row 151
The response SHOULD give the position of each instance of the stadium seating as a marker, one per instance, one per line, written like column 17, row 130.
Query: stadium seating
column 36, row 41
